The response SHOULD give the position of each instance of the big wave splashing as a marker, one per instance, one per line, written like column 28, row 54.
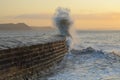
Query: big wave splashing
column 82, row 64
column 85, row 64
column 63, row 21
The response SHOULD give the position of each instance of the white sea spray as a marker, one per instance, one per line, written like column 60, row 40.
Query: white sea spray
column 64, row 23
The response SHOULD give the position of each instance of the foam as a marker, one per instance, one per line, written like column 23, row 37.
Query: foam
column 88, row 64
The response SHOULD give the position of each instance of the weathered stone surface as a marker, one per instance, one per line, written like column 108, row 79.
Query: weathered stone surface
column 26, row 60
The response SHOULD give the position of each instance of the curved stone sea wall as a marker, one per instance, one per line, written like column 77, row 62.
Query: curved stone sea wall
column 27, row 60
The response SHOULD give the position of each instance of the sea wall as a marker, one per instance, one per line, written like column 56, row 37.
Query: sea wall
column 27, row 60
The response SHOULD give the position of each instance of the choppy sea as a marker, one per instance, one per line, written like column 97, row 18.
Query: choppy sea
column 82, row 64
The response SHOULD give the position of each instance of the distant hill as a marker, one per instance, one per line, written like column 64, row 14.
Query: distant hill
column 11, row 26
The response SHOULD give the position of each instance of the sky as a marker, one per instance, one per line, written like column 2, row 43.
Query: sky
column 87, row 14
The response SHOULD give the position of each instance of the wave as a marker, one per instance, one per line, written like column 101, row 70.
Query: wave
column 88, row 64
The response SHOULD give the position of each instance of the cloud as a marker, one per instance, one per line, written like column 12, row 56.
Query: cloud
column 99, row 16
column 29, row 16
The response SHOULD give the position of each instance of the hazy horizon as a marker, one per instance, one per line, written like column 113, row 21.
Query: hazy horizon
column 87, row 15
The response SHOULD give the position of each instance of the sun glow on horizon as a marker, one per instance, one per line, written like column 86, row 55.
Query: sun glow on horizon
column 87, row 14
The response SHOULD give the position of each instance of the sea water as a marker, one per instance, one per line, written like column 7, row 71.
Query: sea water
column 80, row 64
column 93, row 63
column 100, row 40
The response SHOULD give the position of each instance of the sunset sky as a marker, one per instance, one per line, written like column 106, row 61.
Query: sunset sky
column 87, row 14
